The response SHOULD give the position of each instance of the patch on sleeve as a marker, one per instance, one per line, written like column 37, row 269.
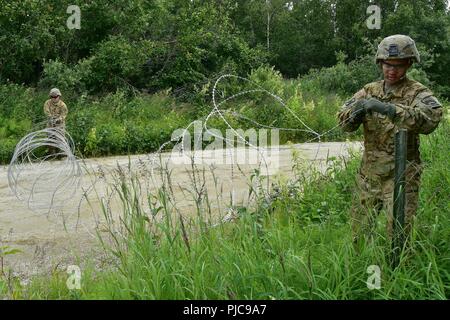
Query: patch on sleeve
column 431, row 102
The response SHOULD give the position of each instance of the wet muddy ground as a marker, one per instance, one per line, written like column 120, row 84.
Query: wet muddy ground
column 54, row 229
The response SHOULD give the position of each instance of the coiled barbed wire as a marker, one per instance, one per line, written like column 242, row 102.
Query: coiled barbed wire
column 43, row 184
column 218, row 112
column 47, row 185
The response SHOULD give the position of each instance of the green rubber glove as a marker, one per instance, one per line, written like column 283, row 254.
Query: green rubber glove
column 374, row 105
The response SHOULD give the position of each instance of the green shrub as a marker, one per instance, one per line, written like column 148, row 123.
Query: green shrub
column 7, row 147
column 116, row 63
column 342, row 78
column 327, row 197
column 57, row 74
column 13, row 128
column 111, row 138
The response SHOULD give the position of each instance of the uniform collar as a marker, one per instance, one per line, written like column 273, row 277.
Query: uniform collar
column 397, row 89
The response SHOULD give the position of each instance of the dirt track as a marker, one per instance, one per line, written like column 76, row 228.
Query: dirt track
column 44, row 242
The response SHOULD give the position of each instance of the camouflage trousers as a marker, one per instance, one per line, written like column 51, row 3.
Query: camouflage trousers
column 56, row 124
column 375, row 195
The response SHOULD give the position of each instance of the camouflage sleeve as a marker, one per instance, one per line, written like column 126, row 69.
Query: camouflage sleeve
column 423, row 116
column 64, row 111
column 346, row 117
column 47, row 108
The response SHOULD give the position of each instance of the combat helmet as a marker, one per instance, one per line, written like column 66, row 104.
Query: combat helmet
column 55, row 92
column 397, row 47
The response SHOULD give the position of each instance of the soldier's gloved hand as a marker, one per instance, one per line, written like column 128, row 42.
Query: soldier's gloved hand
column 384, row 108
column 359, row 110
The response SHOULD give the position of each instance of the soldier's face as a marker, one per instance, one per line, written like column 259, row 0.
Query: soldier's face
column 55, row 99
column 394, row 70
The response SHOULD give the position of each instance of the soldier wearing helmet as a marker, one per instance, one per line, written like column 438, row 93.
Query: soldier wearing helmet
column 382, row 107
column 56, row 111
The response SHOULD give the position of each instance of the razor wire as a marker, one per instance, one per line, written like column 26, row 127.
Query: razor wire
column 46, row 186
column 34, row 178
column 216, row 111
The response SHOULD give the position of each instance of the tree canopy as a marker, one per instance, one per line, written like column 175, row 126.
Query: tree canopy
column 159, row 44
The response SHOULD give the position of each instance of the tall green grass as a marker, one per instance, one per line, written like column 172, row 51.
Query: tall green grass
column 295, row 243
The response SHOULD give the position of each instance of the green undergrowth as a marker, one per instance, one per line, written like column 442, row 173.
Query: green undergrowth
column 133, row 122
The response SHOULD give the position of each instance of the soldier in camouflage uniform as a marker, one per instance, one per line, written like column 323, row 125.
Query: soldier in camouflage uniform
column 382, row 108
column 56, row 111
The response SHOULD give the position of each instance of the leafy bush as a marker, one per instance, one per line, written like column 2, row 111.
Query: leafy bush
column 117, row 62
column 119, row 124
column 58, row 74
column 7, row 149
column 342, row 78
column 111, row 138
column 21, row 103
column 309, row 204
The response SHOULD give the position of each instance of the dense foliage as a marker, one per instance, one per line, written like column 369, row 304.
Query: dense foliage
column 136, row 70
column 154, row 45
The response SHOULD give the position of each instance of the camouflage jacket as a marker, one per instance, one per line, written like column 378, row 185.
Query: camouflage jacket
column 57, row 111
column 417, row 110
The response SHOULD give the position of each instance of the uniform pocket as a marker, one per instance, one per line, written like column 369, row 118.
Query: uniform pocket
column 380, row 164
